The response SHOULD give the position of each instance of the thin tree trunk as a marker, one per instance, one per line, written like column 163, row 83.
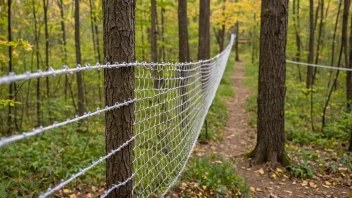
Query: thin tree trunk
column 272, row 77
column 12, row 85
column 36, row 40
column 119, row 46
column 309, row 82
column 45, row 8
column 64, row 50
column 163, row 34
column 296, row 24
column 236, row 39
column 348, row 58
column 154, row 33
column 81, row 107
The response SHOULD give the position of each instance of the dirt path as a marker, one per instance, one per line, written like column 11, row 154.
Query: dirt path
column 239, row 138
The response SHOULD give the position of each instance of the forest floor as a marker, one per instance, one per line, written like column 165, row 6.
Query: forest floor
column 264, row 181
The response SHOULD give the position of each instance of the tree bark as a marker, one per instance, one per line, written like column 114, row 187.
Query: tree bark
column 272, row 77
column 154, row 33
column 81, row 107
column 12, row 85
column 349, row 86
column 183, row 53
column 296, row 25
column 36, row 40
column 348, row 58
column 204, row 30
column 119, row 46
column 236, row 41
column 309, row 82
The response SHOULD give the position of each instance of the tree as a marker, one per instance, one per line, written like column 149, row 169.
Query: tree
column 119, row 46
column 183, row 53
column 81, row 107
column 183, row 49
column 12, row 85
column 154, row 33
column 309, row 82
column 204, row 30
column 272, row 78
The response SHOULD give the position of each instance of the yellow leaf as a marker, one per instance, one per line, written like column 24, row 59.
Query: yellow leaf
column 279, row 170
column 312, row 184
column 72, row 196
column 252, row 189
column 261, row 171
column 327, row 183
column 304, row 183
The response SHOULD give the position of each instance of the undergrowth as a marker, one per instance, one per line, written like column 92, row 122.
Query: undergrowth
column 215, row 176
column 309, row 145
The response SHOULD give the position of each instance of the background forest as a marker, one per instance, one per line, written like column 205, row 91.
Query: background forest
column 43, row 35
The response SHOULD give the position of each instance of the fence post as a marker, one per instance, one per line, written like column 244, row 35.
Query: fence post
column 119, row 46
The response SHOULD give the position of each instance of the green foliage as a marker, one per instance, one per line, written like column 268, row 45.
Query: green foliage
column 217, row 174
column 302, row 171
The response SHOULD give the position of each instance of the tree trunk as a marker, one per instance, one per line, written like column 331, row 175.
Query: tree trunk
column 272, row 77
column 204, row 30
column 154, row 33
column 296, row 25
column 64, row 50
column 81, row 107
column 163, row 34
column 204, row 35
column 349, row 86
column 236, row 41
column 12, row 85
column 183, row 53
column 119, row 46
column 36, row 40
column 183, row 57
column 347, row 57
column 309, row 82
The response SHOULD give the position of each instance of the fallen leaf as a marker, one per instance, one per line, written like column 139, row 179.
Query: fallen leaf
column 261, row 171
column 304, row 183
column 342, row 169
column 259, row 190
column 279, row 170
column 312, row 184
column 327, row 183
column 252, row 189
column 72, row 196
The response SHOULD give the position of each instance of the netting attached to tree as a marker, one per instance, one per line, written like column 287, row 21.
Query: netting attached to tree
column 171, row 103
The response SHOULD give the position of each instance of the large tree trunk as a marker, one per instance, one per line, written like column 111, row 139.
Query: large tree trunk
column 349, row 86
column 119, row 46
column 309, row 82
column 272, row 77
column 81, row 107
